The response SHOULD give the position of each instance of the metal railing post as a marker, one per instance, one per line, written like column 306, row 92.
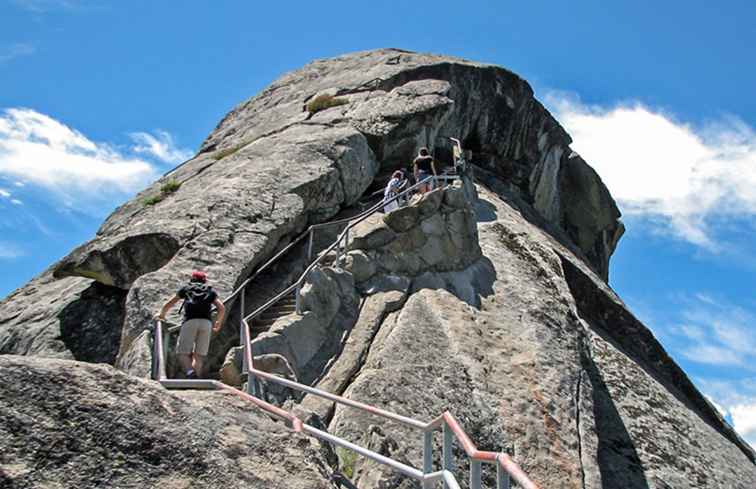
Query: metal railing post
column 346, row 241
column 155, row 351
column 338, row 254
column 164, row 342
column 428, row 452
column 243, row 340
column 309, row 245
column 502, row 477
column 241, row 303
column 475, row 474
column 297, row 300
column 448, row 463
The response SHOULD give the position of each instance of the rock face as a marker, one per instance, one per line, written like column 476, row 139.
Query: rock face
column 537, row 357
column 436, row 233
column 497, row 310
column 68, row 424
column 270, row 168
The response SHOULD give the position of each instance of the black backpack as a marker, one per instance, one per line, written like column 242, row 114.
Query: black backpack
column 199, row 301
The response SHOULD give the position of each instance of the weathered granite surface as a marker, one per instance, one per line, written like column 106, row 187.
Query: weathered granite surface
column 271, row 167
column 536, row 356
column 501, row 315
column 71, row 424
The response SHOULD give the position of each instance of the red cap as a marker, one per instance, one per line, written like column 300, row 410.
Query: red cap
column 198, row 276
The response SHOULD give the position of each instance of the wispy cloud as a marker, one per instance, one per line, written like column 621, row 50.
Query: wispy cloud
column 161, row 146
column 716, row 332
column 16, row 50
column 736, row 400
column 682, row 176
column 78, row 172
column 9, row 251
column 42, row 6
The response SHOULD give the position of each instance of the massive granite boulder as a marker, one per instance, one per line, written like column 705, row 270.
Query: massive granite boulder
column 497, row 310
column 536, row 356
column 70, row 424
column 272, row 166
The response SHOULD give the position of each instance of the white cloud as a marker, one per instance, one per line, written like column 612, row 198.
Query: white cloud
column 716, row 333
column 664, row 169
column 160, row 146
column 16, row 202
column 736, row 400
column 744, row 421
column 4, row 193
column 80, row 173
column 714, row 403
column 9, row 251
column 16, row 50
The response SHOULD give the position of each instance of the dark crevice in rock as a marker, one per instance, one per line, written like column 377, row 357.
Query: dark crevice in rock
column 612, row 321
column 618, row 460
column 578, row 428
column 90, row 327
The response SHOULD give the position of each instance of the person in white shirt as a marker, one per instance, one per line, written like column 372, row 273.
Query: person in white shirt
column 392, row 188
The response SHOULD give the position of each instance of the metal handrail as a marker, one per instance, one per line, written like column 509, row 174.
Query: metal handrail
column 426, row 476
column 506, row 468
column 353, row 221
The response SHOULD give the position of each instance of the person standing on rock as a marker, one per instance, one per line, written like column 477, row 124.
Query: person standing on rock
column 392, row 188
column 423, row 166
column 194, row 338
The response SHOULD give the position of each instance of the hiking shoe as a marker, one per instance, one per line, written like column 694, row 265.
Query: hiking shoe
column 191, row 374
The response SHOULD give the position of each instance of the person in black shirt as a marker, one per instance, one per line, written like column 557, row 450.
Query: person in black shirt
column 194, row 338
column 423, row 166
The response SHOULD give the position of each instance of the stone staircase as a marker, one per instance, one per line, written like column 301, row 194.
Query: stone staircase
column 284, row 307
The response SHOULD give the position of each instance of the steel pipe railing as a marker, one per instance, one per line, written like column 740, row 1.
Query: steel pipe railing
column 352, row 222
column 426, row 476
column 506, row 468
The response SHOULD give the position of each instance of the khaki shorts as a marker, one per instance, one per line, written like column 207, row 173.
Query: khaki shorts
column 195, row 337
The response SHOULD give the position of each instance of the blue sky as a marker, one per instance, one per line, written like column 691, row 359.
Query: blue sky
column 98, row 98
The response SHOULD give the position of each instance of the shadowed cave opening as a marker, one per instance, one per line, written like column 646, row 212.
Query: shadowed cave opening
column 90, row 327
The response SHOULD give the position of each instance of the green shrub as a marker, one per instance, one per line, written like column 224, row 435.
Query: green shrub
column 347, row 461
column 322, row 102
column 153, row 200
column 170, row 186
column 222, row 153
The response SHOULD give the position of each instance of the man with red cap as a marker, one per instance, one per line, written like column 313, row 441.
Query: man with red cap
column 194, row 338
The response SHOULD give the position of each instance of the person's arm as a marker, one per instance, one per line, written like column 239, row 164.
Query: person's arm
column 221, row 313
column 415, row 170
column 167, row 307
column 433, row 166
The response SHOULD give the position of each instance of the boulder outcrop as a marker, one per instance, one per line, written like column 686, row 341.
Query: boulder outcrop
column 70, row 424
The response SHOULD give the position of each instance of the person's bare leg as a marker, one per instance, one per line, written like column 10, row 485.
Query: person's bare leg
column 185, row 359
column 199, row 362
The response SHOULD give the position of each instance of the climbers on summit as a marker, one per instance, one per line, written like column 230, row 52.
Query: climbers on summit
column 422, row 166
column 194, row 338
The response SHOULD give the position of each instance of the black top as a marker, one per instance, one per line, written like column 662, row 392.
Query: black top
column 198, row 300
column 424, row 163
